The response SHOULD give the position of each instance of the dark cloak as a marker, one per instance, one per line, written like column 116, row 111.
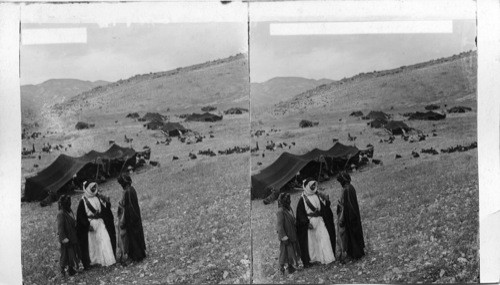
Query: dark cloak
column 82, row 229
column 66, row 229
column 352, row 223
column 285, row 226
column 133, row 224
column 303, row 227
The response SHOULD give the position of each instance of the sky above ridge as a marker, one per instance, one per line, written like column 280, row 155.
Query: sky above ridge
column 338, row 56
column 121, row 51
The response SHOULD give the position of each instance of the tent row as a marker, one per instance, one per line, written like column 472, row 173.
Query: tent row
column 288, row 165
column 66, row 171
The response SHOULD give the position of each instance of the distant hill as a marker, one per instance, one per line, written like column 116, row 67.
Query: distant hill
column 281, row 89
column 442, row 81
column 35, row 98
column 216, row 82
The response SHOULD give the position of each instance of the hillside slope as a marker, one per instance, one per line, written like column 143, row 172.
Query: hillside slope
column 36, row 97
column 438, row 81
column 419, row 209
column 281, row 89
column 220, row 82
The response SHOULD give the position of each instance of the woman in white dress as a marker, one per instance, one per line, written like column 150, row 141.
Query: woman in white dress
column 314, row 237
column 99, row 248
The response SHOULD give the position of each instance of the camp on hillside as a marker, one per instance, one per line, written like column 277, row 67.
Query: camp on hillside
column 173, row 129
column 60, row 175
column 208, row 108
column 205, row 117
column 356, row 114
column 459, row 109
column 83, row 125
column 307, row 124
column 134, row 115
column 235, row 111
column 152, row 117
column 377, row 115
column 429, row 116
column 397, row 127
column 154, row 125
column 377, row 123
column 287, row 166
column 431, row 107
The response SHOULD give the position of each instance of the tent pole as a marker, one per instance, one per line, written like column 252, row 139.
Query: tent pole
column 97, row 172
column 320, row 165
column 123, row 165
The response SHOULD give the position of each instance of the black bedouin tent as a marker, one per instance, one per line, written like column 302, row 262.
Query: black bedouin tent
column 205, row 117
column 152, row 117
column 173, row 129
column 62, row 170
column 431, row 107
column 397, row 127
column 459, row 109
column 235, row 111
column 376, row 115
column 430, row 116
column 378, row 123
column 356, row 114
column 154, row 125
column 286, row 167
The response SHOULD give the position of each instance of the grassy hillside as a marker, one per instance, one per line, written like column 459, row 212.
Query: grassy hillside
column 278, row 89
column 419, row 215
column 443, row 81
column 35, row 98
column 222, row 82
column 196, row 213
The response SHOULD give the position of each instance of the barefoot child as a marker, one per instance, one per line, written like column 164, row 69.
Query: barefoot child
column 66, row 229
column 287, row 234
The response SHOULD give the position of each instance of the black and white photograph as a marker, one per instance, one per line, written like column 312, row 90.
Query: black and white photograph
column 135, row 147
column 365, row 163
column 249, row 142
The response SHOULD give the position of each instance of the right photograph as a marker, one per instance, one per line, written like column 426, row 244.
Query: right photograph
column 364, row 163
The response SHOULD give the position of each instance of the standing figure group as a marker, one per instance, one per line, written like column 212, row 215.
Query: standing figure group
column 92, row 237
column 311, row 235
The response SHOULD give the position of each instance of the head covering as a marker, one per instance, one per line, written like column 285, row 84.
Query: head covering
column 310, row 186
column 344, row 178
column 283, row 202
column 64, row 203
column 124, row 179
column 87, row 188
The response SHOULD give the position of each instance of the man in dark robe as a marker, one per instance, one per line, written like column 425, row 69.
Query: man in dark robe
column 303, row 225
column 351, row 220
column 83, row 227
column 132, row 221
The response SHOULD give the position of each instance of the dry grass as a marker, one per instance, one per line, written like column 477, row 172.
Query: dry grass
column 196, row 218
column 419, row 215
column 196, row 213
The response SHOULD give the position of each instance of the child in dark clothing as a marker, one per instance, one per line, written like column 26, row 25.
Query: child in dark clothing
column 287, row 234
column 66, row 230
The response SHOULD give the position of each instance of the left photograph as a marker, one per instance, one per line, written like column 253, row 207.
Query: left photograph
column 135, row 144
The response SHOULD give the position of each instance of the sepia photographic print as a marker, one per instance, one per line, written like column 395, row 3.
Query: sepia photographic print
column 267, row 142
